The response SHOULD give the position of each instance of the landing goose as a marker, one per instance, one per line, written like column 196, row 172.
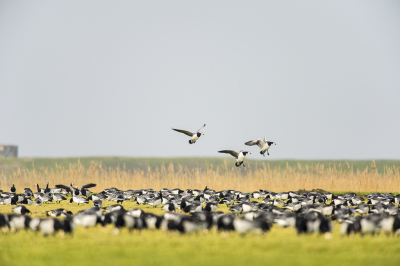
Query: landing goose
column 263, row 145
column 238, row 155
column 194, row 136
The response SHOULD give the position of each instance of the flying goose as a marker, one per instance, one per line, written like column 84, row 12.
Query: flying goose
column 238, row 155
column 195, row 136
column 264, row 145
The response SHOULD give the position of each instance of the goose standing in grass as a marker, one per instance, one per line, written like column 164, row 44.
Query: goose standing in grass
column 19, row 209
column 263, row 145
column 58, row 197
column 194, row 136
column 238, row 155
column 59, row 212
column 155, row 201
column 37, row 202
column 13, row 189
column 80, row 191
column 28, row 192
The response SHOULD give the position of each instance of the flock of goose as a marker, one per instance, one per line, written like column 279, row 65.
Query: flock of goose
column 193, row 210
column 264, row 145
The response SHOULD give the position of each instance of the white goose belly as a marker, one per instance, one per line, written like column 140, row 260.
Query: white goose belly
column 240, row 158
column 194, row 137
column 265, row 147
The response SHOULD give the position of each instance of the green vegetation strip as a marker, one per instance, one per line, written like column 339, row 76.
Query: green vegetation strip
column 9, row 165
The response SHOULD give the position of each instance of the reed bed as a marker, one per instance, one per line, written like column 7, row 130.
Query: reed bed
column 332, row 178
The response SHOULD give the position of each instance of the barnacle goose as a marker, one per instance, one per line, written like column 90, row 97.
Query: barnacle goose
column 76, row 191
column 58, row 197
column 20, row 209
column 75, row 195
column 27, row 201
column 125, row 220
column 263, row 145
column 37, row 202
column 28, row 192
column 13, row 189
column 97, row 203
column 8, row 201
column 169, row 207
column 194, row 136
column 135, row 212
column 238, row 155
column 78, row 200
column 155, row 201
column 49, row 226
column 115, row 207
column 211, row 206
column 17, row 222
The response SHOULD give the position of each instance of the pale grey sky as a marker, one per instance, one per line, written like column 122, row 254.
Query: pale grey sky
column 84, row 78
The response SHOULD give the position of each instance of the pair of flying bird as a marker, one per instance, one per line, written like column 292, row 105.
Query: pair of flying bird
column 264, row 145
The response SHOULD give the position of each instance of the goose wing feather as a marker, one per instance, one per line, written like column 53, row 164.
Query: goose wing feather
column 66, row 187
column 257, row 142
column 184, row 132
column 89, row 185
column 233, row 153
column 201, row 128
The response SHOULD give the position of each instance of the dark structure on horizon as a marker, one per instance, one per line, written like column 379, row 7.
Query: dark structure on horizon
column 8, row 151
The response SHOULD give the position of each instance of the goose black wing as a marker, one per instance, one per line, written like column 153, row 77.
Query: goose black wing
column 233, row 153
column 257, row 142
column 184, row 132
column 89, row 185
column 66, row 187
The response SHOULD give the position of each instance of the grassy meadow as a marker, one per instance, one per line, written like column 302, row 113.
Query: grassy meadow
column 280, row 246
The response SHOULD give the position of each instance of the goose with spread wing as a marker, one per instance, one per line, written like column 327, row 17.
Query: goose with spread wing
column 263, row 145
column 238, row 155
column 194, row 136
column 75, row 196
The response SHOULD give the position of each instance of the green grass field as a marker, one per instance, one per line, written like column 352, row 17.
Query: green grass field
column 9, row 165
column 280, row 246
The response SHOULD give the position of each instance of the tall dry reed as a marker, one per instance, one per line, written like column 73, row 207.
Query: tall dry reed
column 332, row 178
